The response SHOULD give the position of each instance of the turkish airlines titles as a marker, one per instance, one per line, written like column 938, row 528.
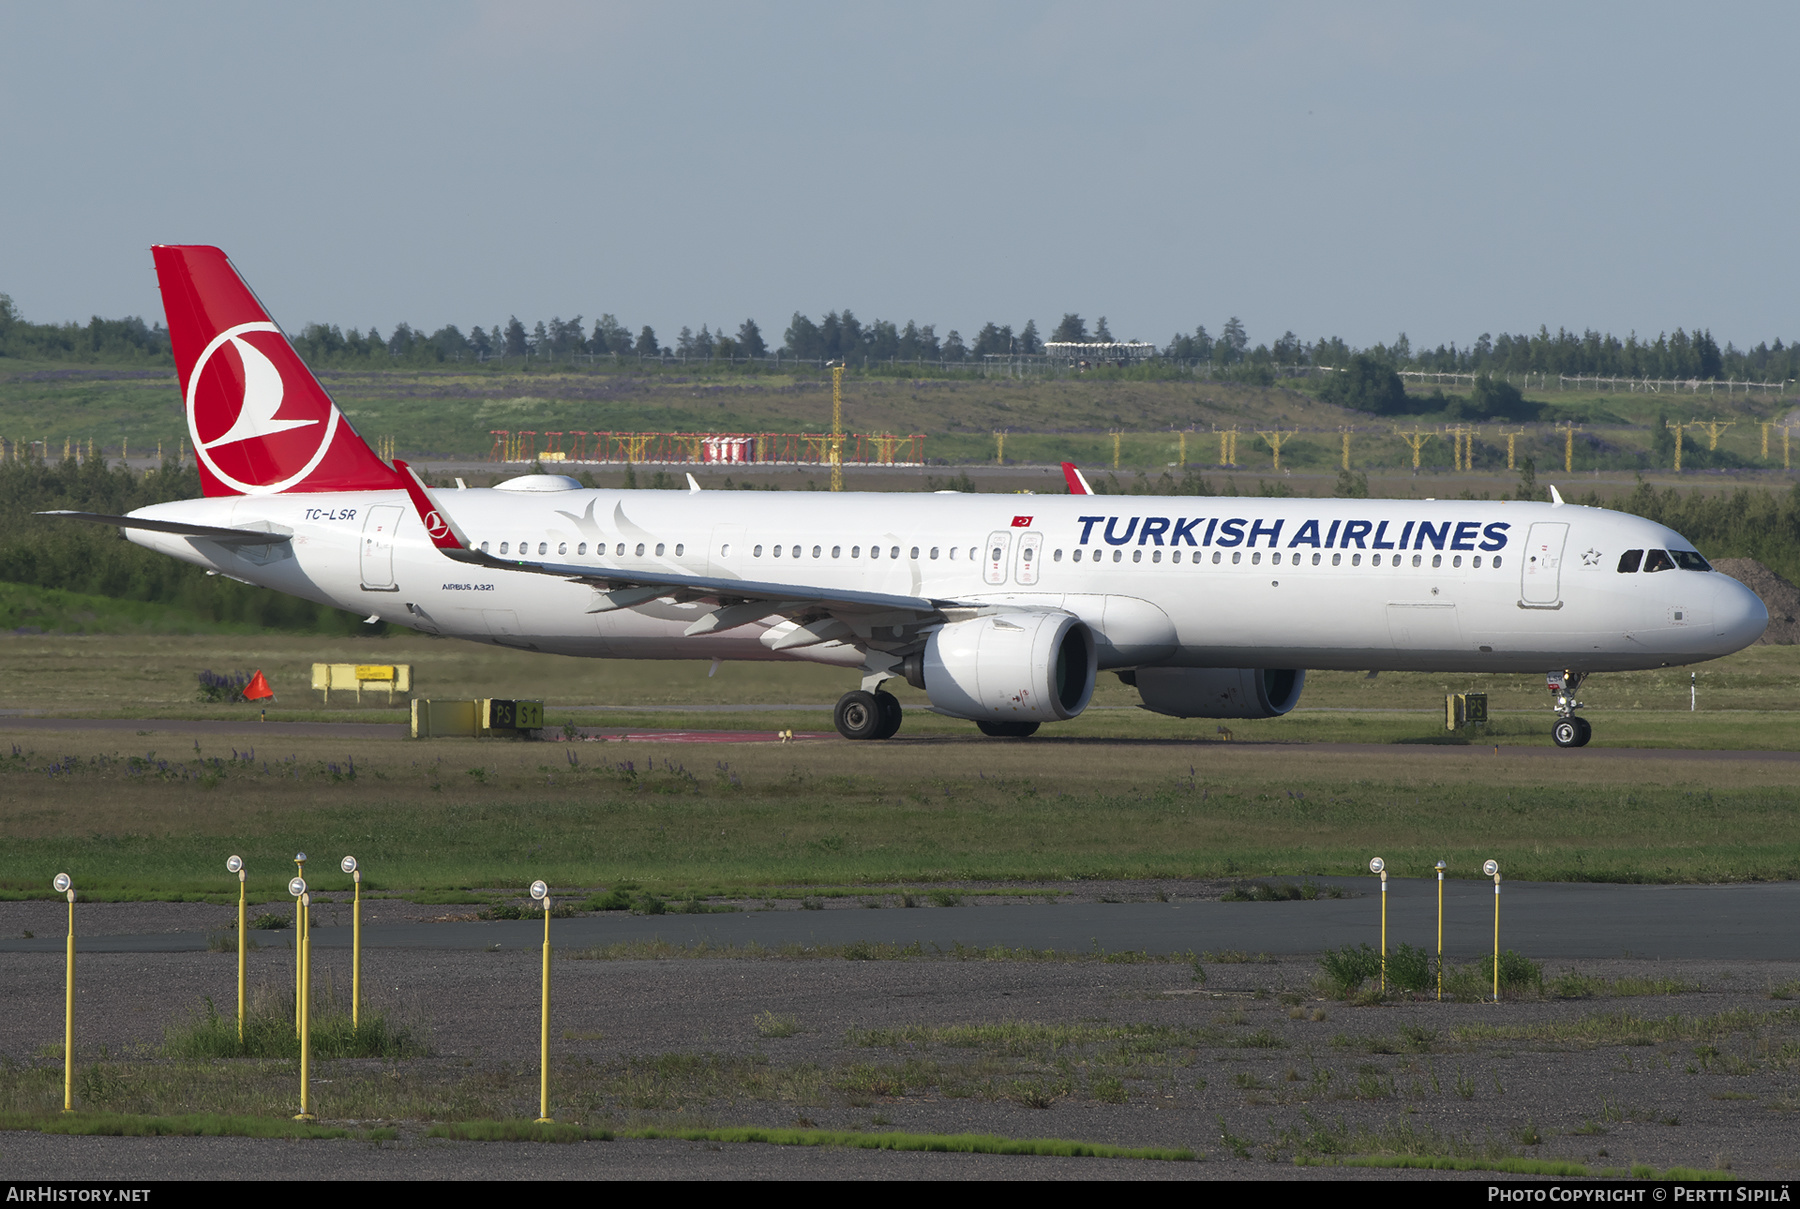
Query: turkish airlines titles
column 1340, row 535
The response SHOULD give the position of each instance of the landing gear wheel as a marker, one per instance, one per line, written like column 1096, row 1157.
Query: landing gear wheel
column 1007, row 730
column 1566, row 732
column 858, row 715
column 1587, row 731
column 891, row 715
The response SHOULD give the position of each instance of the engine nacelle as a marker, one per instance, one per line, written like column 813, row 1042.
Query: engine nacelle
column 1011, row 667
column 1219, row 692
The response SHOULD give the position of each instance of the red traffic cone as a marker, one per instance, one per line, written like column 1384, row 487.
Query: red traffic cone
column 258, row 688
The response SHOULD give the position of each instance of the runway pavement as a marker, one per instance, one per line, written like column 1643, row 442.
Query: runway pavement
column 1546, row 921
column 249, row 727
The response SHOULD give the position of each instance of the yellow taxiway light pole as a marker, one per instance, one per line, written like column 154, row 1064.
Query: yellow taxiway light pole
column 1441, row 866
column 999, row 449
column 1346, row 432
column 1492, row 869
column 235, row 864
column 64, row 885
column 1676, row 429
column 1714, row 429
column 299, row 935
column 541, row 892
column 1116, row 436
column 1569, row 431
column 1181, row 455
column 837, row 427
column 1416, row 441
column 1275, row 439
column 349, row 866
column 1511, row 447
column 303, row 1018
column 1380, row 866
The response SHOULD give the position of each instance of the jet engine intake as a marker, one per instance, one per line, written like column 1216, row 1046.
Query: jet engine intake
column 1219, row 692
column 1010, row 667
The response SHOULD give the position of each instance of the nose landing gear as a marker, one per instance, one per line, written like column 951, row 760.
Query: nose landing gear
column 1570, row 730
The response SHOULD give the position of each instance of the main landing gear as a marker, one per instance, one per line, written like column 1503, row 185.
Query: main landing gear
column 1570, row 730
column 864, row 715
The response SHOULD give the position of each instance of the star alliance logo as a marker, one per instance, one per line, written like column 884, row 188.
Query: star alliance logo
column 1591, row 557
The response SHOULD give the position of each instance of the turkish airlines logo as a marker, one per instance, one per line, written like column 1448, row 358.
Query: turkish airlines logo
column 436, row 526
column 255, row 434
column 1021, row 522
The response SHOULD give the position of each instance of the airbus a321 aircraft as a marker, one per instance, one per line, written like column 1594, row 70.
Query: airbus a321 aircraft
column 1001, row 608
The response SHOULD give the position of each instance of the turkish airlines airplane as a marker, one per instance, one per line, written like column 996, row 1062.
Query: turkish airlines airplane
column 1001, row 608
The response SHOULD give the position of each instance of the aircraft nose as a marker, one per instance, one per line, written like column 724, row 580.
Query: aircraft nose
column 1739, row 615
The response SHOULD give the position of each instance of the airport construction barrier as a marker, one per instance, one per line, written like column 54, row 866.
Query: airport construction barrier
column 390, row 678
column 481, row 718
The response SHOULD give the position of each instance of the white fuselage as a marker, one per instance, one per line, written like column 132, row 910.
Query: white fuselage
column 1163, row 580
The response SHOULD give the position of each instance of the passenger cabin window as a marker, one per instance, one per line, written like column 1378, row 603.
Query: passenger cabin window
column 562, row 547
column 503, row 546
column 620, row 551
column 1630, row 561
column 1658, row 560
column 581, row 549
column 640, row 549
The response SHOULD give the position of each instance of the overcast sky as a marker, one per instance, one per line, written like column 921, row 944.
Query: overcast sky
column 1348, row 169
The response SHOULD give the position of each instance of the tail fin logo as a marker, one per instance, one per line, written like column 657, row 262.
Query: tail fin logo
column 436, row 525
column 235, row 399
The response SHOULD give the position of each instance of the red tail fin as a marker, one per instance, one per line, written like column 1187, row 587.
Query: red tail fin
column 260, row 421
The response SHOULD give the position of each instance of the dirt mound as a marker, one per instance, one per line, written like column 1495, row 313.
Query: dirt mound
column 1781, row 597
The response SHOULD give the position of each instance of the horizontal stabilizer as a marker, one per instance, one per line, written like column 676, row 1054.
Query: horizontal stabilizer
column 212, row 533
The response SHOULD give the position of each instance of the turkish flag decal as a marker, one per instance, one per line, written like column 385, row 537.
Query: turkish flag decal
column 1021, row 522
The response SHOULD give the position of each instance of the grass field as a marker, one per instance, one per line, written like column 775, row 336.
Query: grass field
column 1120, row 793
column 449, row 413
column 154, row 815
column 1742, row 698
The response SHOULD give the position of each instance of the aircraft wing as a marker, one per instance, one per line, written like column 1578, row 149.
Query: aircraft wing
column 740, row 601
column 213, row 533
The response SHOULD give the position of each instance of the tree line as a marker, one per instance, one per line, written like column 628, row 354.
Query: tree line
column 840, row 335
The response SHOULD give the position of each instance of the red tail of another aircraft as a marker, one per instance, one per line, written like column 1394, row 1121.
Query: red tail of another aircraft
column 260, row 421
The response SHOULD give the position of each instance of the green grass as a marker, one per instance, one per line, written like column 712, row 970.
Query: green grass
column 449, row 411
column 269, row 1031
column 962, row 1143
column 186, row 1125
column 1517, row 1166
column 687, row 823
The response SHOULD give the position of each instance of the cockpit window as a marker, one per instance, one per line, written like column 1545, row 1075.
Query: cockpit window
column 1628, row 561
column 1658, row 560
column 1690, row 560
